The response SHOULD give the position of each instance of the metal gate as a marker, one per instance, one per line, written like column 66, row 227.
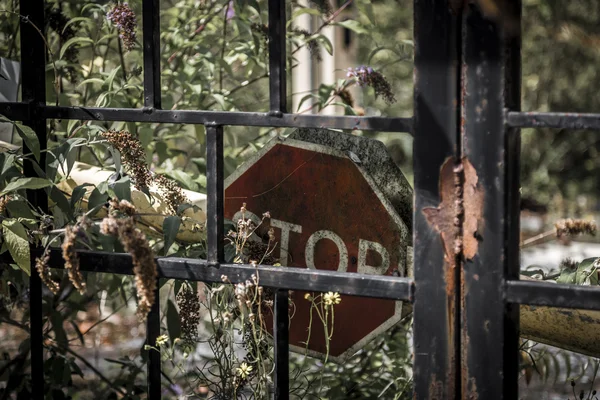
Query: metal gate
column 466, row 289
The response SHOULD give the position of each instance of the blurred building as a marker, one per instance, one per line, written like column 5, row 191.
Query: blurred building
column 309, row 73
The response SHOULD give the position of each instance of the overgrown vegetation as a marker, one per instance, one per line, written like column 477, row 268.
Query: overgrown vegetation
column 214, row 56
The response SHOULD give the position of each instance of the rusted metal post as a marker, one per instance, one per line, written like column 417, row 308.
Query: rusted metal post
column 436, row 310
column 490, row 234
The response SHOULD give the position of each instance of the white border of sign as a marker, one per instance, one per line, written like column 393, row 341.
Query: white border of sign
column 405, row 232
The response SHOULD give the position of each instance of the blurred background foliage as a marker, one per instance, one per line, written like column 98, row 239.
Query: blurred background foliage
column 214, row 57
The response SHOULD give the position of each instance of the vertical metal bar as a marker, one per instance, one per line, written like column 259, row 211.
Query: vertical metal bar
column 151, row 37
column 152, row 99
column 436, row 336
column 33, row 63
column 490, row 337
column 282, row 352
column 512, row 101
column 277, row 56
column 152, row 332
column 214, row 188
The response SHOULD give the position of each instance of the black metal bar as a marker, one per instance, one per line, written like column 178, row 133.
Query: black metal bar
column 281, row 334
column 384, row 124
column 435, row 121
column 33, row 65
column 489, row 336
column 512, row 101
column 277, row 57
column 558, row 120
column 15, row 111
column 152, row 332
column 552, row 295
column 214, row 188
column 310, row 280
column 151, row 37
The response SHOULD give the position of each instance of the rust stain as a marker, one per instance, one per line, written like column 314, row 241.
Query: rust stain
column 472, row 393
column 436, row 389
column 443, row 218
column 458, row 219
column 473, row 204
column 460, row 213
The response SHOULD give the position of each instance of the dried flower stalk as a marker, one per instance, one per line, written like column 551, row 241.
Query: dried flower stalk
column 136, row 244
column 572, row 227
column 41, row 265
column 134, row 160
column 189, row 312
column 71, row 259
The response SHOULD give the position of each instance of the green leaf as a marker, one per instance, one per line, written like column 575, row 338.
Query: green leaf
column 302, row 11
column 586, row 273
column 220, row 99
column 96, row 201
column 366, row 7
column 353, row 25
column 61, row 201
column 324, row 40
column 79, row 193
column 15, row 238
column 183, row 178
column 146, row 136
column 121, row 189
column 30, row 138
column 72, row 41
column 91, row 80
column 171, row 226
column 26, row 183
column 173, row 322
column 88, row 21
column 111, row 77
column 7, row 162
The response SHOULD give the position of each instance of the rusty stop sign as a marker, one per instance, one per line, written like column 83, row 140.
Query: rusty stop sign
column 329, row 214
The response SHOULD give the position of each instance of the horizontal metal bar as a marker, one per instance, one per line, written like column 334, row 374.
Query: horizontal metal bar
column 553, row 120
column 553, row 294
column 149, row 115
column 15, row 111
column 377, row 286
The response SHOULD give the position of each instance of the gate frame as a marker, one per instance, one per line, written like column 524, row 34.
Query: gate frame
column 467, row 104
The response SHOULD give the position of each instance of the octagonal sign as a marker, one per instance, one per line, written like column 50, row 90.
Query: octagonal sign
column 328, row 214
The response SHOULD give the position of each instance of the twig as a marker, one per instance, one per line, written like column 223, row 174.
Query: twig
column 537, row 238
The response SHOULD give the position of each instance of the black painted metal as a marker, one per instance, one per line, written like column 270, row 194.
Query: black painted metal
column 151, row 37
column 152, row 99
column 384, row 287
column 462, row 349
column 216, row 117
column 281, row 334
column 558, row 120
column 214, row 201
column 552, row 295
column 489, row 336
column 277, row 57
column 153, row 332
column 435, row 122
column 33, row 61
column 512, row 101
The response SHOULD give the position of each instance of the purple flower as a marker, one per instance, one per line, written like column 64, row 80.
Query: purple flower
column 173, row 389
column 230, row 11
column 366, row 76
column 123, row 17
